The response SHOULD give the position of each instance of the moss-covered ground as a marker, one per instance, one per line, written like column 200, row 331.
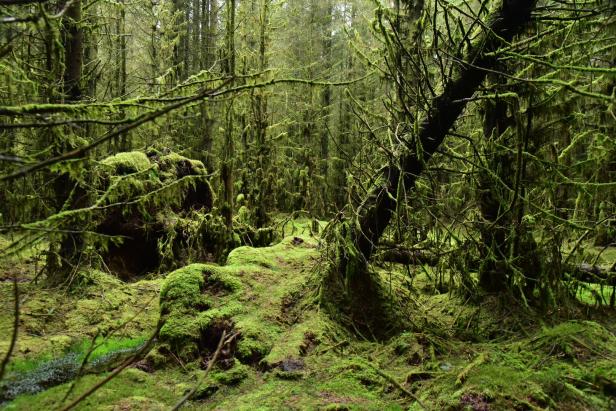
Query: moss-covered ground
column 290, row 355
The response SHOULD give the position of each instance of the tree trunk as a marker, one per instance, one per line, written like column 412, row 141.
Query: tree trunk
column 261, row 195
column 493, row 200
column 64, row 254
column 226, row 172
column 377, row 209
column 121, row 75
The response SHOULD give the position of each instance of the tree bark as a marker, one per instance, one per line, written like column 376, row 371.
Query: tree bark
column 410, row 257
column 227, row 166
column 493, row 200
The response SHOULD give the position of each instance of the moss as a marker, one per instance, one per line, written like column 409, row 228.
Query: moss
column 289, row 344
column 219, row 277
column 138, row 403
column 576, row 340
column 249, row 256
column 127, row 163
column 215, row 315
column 52, row 322
column 38, row 374
column 272, row 306
column 183, row 288
column 257, row 338
column 126, row 391
column 232, row 376
column 188, row 301
column 245, row 294
column 251, row 348
column 174, row 163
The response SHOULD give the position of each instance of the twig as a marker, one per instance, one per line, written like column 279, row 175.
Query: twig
column 138, row 355
column 341, row 344
column 190, row 393
column 481, row 358
column 397, row 385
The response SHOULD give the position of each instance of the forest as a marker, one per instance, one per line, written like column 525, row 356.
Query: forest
column 308, row 205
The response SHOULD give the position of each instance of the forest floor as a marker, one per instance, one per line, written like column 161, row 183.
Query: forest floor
column 456, row 355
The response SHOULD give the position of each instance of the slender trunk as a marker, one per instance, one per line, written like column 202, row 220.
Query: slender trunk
column 64, row 254
column 121, row 75
column 226, row 172
column 493, row 199
column 262, row 195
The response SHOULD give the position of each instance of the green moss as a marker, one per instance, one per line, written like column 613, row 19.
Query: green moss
column 52, row 322
column 215, row 315
column 126, row 163
column 576, row 340
column 190, row 302
column 252, row 348
column 224, row 278
column 131, row 389
column 257, row 339
column 173, row 161
column 232, row 376
column 183, row 288
column 249, row 256
column 289, row 343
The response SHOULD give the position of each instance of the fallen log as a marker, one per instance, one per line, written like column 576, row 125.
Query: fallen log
column 594, row 274
column 410, row 257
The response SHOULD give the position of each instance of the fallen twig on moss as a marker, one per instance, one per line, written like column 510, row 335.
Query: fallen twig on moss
column 138, row 356
column 481, row 358
column 223, row 341
column 397, row 385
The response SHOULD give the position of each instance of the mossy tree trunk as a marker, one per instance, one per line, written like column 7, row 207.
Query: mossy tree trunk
column 227, row 166
column 509, row 254
column 261, row 191
column 376, row 211
column 493, row 198
column 64, row 254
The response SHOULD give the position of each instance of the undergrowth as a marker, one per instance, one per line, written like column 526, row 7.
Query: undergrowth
column 288, row 354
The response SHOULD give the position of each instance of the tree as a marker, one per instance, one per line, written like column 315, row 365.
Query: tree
column 362, row 233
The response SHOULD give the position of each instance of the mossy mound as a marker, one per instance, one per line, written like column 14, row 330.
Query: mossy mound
column 94, row 356
column 52, row 322
column 247, row 296
column 127, row 163
column 58, row 328
column 569, row 366
column 133, row 389
column 143, row 194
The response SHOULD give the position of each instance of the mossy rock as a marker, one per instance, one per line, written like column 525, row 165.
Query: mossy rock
column 181, row 166
column 233, row 376
column 192, row 304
